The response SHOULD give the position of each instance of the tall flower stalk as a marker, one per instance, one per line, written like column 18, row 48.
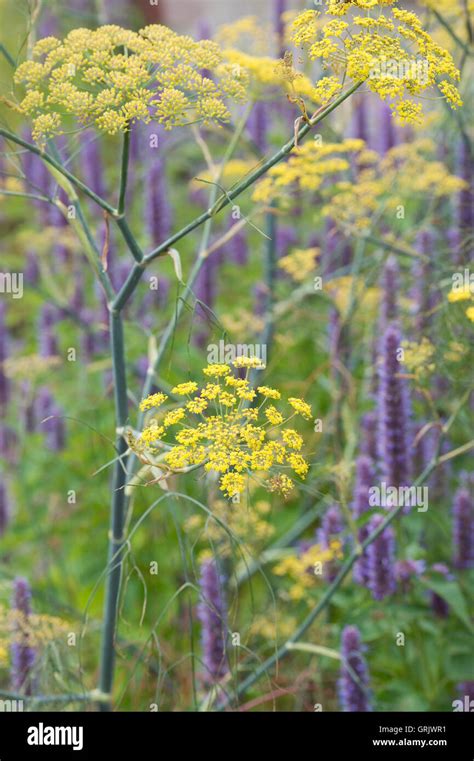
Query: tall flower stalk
column 354, row 693
column 213, row 617
column 23, row 655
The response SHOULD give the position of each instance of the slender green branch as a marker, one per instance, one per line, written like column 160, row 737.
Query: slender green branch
column 59, row 168
column 117, row 514
column 266, row 338
column 34, row 196
column 128, row 287
column 7, row 56
column 129, row 239
column 467, row 50
column 83, row 231
column 226, row 199
column 124, row 171
column 325, row 599
column 31, row 699
column 395, row 249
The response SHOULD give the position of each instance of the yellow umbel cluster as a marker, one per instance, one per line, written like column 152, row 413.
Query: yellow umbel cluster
column 218, row 430
column 111, row 77
column 375, row 42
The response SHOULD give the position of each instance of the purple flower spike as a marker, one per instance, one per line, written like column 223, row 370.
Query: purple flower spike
column 157, row 206
column 406, row 569
column 4, row 347
column 353, row 685
column 5, row 508
column 360, row 125
column 22, row 654
column 331, row 528
column 286, row 238
column 48, row 343
column 258, row 126
column 390, row 276
column 260, row 293
column 49, row 420
column 91, row 162
column 363, row 482
column 280, row 8
column 32, row 271
column 463, row 529
column 425, row 295
column 393, row 413
column 368, row 439
column 386, row 136
column 213, row 617
column 380, row 560
column 465, row 162
column 8, row 444
column 439, row 606
column 237, row 246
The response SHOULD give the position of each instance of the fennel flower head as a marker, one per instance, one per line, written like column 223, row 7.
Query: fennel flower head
column 216, row 428
column 383, row 45
column 111, row 77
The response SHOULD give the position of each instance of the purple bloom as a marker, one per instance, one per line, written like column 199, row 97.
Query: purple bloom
column 439, row 606
column 364, row 480
column 5, row 508
column 205, row 289
column 237, row 246
column 380, row 560
column 466, row 689
column 386, row 137
column 213, row 617
column 4, row 349
column 453, row 239
column 465, row 163
column 22, row 654
column 47, row 340
column 8, row 444
column 258, row 126
column 425, row 296
column 337, row 339
column 32, row 271
column 280, row 8
column 463, row 529
column 353, row 684
column 331, row 528
column 393, row 413
column 260, row 292
column 91, row 162
column 286, row 238
column 49, row 418
column 360, row 126
column 368, row 438
column 388, row 307
column 336, row 249
column 406, row 569
column 157, row 206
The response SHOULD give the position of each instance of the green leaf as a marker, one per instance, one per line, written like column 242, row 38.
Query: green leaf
column 450, row 591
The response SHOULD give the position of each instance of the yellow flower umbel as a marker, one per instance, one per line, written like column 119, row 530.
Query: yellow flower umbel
column 302, row 568
column 463, row 294
column 375, row 42
column 215, row 428
column 111, row 77
column 381, row 183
